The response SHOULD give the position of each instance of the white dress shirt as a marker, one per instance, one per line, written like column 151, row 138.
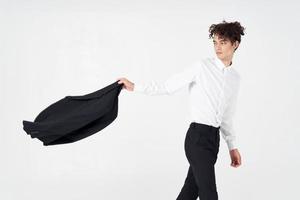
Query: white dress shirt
column 212, row 88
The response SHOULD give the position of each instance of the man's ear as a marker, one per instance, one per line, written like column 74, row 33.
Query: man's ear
column 236, row 43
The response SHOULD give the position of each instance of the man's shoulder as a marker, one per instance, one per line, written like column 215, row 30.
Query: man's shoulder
column 203, row 61
column 208, row 60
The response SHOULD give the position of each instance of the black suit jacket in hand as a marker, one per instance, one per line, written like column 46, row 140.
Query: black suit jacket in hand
column 75, row 117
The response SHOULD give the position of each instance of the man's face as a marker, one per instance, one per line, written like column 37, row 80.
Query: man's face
column 224, row 49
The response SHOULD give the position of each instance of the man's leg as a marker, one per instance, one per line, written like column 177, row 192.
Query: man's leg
column 201, row 148
column 204, row 174
column 189, row 190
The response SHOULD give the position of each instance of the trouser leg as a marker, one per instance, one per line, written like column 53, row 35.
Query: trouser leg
column 190, row 188
column 201, row 148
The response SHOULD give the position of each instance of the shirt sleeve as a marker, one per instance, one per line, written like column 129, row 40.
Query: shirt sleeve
column 174, row 83
column 227, row 126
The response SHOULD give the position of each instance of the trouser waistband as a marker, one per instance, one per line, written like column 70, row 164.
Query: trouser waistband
column 205, row 126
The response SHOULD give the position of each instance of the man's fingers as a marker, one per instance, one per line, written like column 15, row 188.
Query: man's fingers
column 235, row 163
column 120, row 81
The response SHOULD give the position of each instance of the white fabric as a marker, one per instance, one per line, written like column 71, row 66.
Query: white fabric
column 213, row 90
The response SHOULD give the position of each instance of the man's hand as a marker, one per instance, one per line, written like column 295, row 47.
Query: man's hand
column 127, row 84
column 235, row 158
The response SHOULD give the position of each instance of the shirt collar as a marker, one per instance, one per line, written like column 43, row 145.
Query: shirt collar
column 221, row 65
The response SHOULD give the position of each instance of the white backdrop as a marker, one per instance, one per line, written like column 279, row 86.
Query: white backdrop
column 51, row 49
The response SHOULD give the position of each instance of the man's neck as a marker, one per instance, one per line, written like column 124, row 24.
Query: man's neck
column 227, row 62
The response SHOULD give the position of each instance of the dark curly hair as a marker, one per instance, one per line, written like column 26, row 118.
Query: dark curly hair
column 227, row 30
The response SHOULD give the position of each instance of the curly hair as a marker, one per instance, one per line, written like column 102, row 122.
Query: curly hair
column 227, row 30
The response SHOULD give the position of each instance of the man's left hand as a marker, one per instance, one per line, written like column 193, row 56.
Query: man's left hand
column 235, row 158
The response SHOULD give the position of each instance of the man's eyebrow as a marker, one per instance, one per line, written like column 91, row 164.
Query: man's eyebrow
column 222, row 40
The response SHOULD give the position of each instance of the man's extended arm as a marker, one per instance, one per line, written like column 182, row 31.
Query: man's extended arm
column 172, row 84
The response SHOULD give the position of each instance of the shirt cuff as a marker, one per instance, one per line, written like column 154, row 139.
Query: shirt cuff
column 231, row 144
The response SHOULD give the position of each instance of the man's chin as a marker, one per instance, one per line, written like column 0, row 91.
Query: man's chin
column 219, row 55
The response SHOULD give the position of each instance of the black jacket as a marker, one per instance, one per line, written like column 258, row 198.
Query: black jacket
column 75, row 117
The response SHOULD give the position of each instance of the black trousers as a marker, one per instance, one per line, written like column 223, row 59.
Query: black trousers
column 201, row 147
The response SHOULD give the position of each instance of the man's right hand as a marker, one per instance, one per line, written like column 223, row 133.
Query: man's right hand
column 127, row 84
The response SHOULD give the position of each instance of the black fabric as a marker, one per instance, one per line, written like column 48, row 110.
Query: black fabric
column 201, row 148
column 75, row 117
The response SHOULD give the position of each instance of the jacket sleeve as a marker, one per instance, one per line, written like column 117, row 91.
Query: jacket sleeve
column 227, row 126
column 169, row 86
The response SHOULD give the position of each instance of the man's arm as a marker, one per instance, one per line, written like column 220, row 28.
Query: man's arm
column 170, row 85
column 227, row 125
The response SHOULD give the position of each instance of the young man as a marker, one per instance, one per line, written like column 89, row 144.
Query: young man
column 213, row 85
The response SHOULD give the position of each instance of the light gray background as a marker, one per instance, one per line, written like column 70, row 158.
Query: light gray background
column 50, row 49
